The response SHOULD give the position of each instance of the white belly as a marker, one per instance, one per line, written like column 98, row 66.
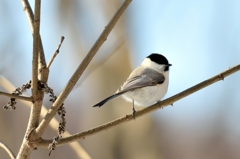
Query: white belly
column 147, row 96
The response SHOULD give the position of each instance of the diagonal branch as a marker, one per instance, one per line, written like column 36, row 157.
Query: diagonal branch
column 68, row 88
column 16, row 96
column 119, row 44
column 162, row 104
column 7, row 149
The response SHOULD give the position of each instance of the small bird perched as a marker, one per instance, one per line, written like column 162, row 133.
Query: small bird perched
column 146, row 85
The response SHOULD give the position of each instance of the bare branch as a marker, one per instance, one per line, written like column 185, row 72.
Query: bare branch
column 26, row 148
column 7, row 149
column 16, row 96
column 78, row 149
column 162, row 104
column 29, row 13
column 68, row 88
column 56, row 52
column 36, row 30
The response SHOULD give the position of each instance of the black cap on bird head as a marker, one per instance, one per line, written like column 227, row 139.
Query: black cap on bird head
column 159, row 59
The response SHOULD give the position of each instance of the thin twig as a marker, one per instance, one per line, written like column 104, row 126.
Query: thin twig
column 56, row 52
column 68, row 88
column 78, row 149
column 7, row 149
column 29, row 13
column 129, row 117
column 16, row 96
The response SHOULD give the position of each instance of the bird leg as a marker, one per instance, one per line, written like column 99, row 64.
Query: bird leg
column 134, row 111
column 158, row 102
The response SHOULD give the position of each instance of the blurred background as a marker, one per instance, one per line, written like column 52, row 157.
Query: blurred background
column 199, row 38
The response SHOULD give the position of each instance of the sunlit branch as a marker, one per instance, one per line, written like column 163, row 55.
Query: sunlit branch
column 162, row 104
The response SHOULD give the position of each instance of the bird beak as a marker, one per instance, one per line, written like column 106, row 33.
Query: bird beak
column 169, row 65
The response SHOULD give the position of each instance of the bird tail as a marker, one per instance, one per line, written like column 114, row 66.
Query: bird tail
column 106, row 100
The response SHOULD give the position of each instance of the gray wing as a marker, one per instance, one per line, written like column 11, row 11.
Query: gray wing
column 141, row 77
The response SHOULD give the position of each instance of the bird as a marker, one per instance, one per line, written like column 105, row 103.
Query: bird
column 146, row 85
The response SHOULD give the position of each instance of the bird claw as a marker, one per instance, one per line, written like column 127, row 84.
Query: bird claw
column 221, row 77
column 133, row 113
